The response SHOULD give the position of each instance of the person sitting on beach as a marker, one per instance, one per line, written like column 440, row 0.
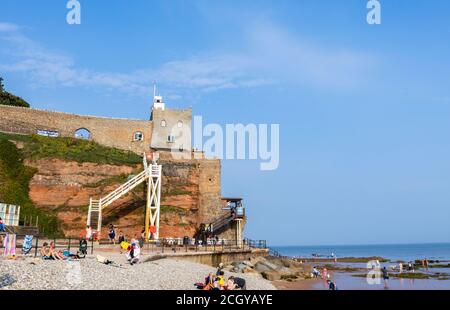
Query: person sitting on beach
column 218, row 284
column 134, row 253
column 45, row 251
column 55, row 253
column 236, row 283
column 220, row 278
column 230, row 286
column 209, row 282
column 219, row 269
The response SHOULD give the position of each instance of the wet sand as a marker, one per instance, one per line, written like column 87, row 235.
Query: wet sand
column 307, row 284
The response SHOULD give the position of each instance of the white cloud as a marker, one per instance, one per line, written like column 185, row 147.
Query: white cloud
column 7, row 27
column 272, row 56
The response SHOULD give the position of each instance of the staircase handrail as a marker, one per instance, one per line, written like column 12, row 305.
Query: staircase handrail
column 124, row 188
column 220, row 222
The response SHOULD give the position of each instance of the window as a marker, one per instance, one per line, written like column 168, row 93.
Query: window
column 180, row 124
column 163, row 123
column 138, row 136
column 82, row 133
column 170, row 139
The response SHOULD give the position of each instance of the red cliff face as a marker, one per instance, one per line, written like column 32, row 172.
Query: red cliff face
column 190, row 195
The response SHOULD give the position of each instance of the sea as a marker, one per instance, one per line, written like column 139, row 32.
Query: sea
column 394, row 252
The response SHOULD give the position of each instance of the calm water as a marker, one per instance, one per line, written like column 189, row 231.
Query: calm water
column 406, row 252
column 394, row 252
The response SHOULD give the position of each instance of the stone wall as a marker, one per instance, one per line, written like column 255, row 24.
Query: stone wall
column 113, row 132
column 171, row 122
column 226, row 257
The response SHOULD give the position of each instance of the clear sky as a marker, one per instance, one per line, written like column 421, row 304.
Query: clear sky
column 364, row 111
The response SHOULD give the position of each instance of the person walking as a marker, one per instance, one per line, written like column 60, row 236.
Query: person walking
column 88, row 233
column 331, row 285
column 385, row 276
column 112, row 234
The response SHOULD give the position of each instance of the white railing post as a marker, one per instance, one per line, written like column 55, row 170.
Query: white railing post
column 89, row 212
column 99, row 225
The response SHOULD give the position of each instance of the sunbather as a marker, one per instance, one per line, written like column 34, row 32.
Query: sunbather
column 55, row 253
column 45, row 251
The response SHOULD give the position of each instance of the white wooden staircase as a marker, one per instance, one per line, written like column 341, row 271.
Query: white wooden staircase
column 152, row 172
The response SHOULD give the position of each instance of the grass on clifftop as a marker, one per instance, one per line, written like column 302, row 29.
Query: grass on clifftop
column 14, row 181
column 37, row 147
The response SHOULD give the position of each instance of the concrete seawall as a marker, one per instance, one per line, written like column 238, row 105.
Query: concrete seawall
column 213, row 259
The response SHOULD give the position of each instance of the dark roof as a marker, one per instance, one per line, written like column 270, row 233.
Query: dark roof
column 231, row 199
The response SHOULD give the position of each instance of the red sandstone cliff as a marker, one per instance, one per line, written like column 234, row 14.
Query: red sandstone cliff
column 190, row 194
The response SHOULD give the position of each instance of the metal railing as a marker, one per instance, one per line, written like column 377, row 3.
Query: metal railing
column 62, row 244
column 179, row 245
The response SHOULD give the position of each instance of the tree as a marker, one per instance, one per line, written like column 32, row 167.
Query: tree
column 10, row 99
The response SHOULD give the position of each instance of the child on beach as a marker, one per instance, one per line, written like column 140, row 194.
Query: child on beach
column 134, row 252
column 2, row 225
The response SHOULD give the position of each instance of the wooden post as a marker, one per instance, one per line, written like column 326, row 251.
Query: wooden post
column 36, row 247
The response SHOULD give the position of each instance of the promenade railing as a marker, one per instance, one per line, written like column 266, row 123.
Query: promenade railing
column 70, row 244
column 167, row 245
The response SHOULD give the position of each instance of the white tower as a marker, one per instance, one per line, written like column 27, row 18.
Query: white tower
column 158, row 102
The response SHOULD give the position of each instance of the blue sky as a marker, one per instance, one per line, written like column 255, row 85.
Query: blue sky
column 364, row 111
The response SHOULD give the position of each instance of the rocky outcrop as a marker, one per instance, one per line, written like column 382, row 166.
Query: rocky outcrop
column 272, row 268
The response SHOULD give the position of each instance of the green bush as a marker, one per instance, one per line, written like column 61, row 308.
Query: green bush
column 14, row 182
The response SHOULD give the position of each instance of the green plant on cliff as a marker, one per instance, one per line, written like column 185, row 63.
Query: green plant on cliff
column 14, row 181
column 172, row 209
column 177, row 192
column 10, row 99
column 38, row 147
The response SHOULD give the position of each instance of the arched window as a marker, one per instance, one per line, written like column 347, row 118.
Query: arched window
column 138, row 136
column 82, row 133
column 180, row 124
column 163, row 123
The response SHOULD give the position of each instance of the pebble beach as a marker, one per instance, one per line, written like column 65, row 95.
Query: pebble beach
column 89, row 274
